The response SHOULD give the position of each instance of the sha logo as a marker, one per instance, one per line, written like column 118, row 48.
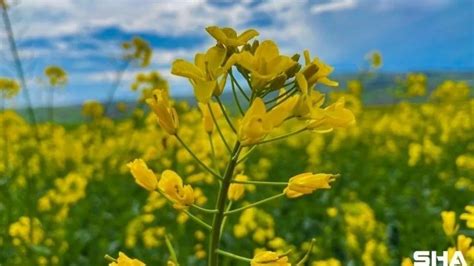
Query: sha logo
column 430, row 258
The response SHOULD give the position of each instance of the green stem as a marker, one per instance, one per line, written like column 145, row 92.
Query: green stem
column 229, row 206
column 218, row 128
column 238, row 86
column 281, row 137
column 203, row 209
column 255, row 204
column 220, row 206
column 307, row 255
column 246, row 155
column 225, row 114
column 213, row 154
column 250, row 182
column 233, row 256
column 197, row 220
column 212, row 172
column 51, row 105
column 115, row 85
column 290, row 92
column 236, row 98
column 249, row 83
column 19, row 66
column 293, row 92
column 173, row 256
column 109, row 258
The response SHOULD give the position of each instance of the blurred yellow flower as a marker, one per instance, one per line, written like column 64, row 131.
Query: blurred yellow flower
column 407, row 262
column 138, row 49
column 172, row 186
column 124, row 260
column 375, row 59
column 464, row 244
column 8, row 88
column 468, row 216
column 328, row 262
column 207, row 119
column 236, row 190
column 228, row 36
column 92, row 109
column 143, row 175
column 269, row 258
column 56, row 75
column 307, row 183
column 449, row 223
column 166, row 114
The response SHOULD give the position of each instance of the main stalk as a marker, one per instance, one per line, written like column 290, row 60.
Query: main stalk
column 220, row 206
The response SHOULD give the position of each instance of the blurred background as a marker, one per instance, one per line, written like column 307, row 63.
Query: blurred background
column 406, row 71
column 432, row 36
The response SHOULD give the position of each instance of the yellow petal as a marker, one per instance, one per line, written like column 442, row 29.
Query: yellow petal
column 186, row 69
column 203, row 90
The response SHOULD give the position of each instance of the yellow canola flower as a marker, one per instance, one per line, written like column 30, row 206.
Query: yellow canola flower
column 316, row 71
column 269, row 258
column 236, row 190
column 265, row 66
column 257, row 122
column 172, row 186
column 449, row 223
column 143, row 175
column 407, row 262
column 92, row 109
column 307, row 183
column 468, row 216
column 207, row 120
column 26, row 230
column 205, row 74
column 328, row 262
column 166, row 114
column 333, row 116
column 138, row 49
column 308, row 104
column 8, row 87
column 56, row 75
column 375, row 59
column 464, row 244
column 229, row 37
column 124, row 260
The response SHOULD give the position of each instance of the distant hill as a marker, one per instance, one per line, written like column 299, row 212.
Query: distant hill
column 376, row 91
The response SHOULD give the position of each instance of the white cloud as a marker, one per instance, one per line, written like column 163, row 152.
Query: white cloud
column 333, row 5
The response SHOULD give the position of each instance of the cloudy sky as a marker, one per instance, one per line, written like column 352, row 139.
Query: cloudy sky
column 83, row 36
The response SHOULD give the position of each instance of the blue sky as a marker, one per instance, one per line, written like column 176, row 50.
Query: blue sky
column 84, row 36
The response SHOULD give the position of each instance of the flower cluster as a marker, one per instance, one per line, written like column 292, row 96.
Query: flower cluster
column 279, row 91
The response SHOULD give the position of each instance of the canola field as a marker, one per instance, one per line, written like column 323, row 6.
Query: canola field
column 279, row 173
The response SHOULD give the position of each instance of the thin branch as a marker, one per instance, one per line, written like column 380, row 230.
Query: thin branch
column 282, row 136
column 238, row 86
column 212, row 172
column 197, row 220
column 236, row 98
column 218, row 128
column 254, row 204
column 203, row 209
column 250, row 182
column 246, row 155
column 233, row 256
column 227, row 118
